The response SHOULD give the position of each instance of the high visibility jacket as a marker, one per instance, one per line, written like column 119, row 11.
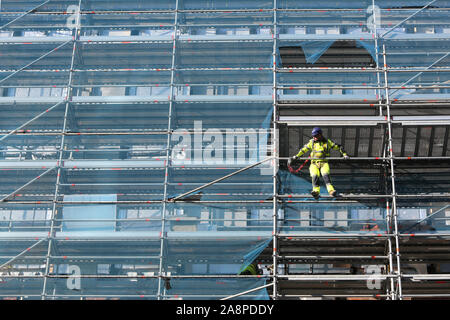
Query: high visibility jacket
column 251, row 269
column 320, row 149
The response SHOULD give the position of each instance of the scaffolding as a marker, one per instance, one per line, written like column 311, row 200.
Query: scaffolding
column 143, row 149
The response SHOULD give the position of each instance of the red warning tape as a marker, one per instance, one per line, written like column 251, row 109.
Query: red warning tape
column 300, row 168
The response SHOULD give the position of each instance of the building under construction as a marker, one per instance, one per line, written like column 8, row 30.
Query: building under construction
column 144, row 148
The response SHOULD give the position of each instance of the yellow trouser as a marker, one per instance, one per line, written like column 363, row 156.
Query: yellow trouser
column 318, row 168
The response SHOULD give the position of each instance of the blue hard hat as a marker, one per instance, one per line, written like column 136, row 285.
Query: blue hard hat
column 316, row 131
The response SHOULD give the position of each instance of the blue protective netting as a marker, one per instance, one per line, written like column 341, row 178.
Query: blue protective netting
column 222, row 77
column 231, row 152
column 206, row 289
column 254, row 253
column 294, row 183
column 233, row 249
column 89, row 212
column 213, row 256
column 314, row 49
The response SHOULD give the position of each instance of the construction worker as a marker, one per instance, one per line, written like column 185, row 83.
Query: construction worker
column 320, row 148
column 251, row 269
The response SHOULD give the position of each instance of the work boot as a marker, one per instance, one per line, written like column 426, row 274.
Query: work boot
column 315, row 194
column 333, row 193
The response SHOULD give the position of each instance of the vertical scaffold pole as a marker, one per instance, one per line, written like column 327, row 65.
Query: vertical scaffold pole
column 167, row 162
column 376, row 18
column 375, row 12
column 69, row 94
column 275, row 154
column 390, row 253
column 398, row 293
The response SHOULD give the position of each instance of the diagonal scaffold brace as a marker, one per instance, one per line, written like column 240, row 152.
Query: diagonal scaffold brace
column 24, row 14
column 420, row 73
column 248, row 291
column 31, row 120
column 218, row 180
column 37, row 60
column 406, row 19
column 431, row 215
column 22, row 253
column 27, row 184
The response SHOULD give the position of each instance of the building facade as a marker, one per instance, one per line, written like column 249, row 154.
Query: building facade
column 144, row 148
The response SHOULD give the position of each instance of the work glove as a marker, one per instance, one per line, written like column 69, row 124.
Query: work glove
column 291, row 160
column 346, row 157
